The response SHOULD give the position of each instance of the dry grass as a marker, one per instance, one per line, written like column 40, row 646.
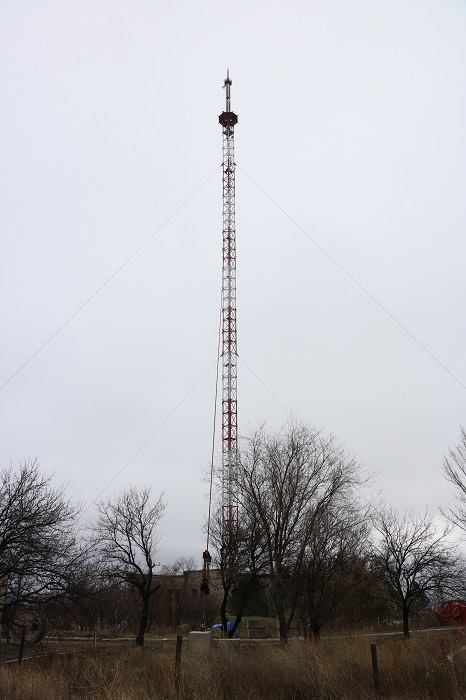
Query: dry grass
column 420, row 668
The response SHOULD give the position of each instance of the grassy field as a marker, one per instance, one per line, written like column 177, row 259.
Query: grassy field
column 421, row 668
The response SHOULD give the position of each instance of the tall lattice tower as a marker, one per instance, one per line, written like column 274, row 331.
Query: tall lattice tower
column 228, row 120
column 228, row 347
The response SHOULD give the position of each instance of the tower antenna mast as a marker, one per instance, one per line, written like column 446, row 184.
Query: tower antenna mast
column 228, row 120
column 228, row 346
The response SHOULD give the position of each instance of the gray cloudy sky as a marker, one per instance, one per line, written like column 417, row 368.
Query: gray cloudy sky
column 352, row 117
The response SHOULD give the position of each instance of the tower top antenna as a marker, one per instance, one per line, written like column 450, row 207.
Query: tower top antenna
column 228, row 119
column 227, row 86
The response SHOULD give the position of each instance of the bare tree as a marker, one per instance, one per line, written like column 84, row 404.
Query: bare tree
column 239, row 556
column 339, row 540
column 454, row 465
column 40, row 550
column 229, row 558
column 126, row 534
column 414, row 559
column 289, row 480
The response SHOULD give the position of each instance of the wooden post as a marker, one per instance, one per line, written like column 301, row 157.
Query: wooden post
column 375, row 668
column 21, row 644
column 179, row 644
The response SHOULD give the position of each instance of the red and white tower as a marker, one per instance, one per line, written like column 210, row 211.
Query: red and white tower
column 228, row 347
column 228, row 120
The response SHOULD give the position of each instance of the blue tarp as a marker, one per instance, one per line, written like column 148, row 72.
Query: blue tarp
column 230, row 624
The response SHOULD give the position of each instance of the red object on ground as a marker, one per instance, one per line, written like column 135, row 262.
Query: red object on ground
column 453, row 612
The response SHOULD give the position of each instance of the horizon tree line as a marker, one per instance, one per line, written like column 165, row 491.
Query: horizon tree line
column 310, row 548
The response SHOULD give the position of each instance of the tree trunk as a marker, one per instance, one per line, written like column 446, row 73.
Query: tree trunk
column 143, row 621
column 248, row 590
column 305, row 629
column 279, row 598
column 239, row 617
column 316, row 631
column 405, row 622
column 223, row 612
column 283, row 628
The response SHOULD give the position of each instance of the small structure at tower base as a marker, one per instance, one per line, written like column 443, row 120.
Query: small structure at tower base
column 199, row 642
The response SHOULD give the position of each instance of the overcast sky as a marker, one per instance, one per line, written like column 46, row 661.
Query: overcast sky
column 351, row 117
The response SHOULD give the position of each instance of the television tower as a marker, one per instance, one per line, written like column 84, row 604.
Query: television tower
column 228, row 120
column 228, row 347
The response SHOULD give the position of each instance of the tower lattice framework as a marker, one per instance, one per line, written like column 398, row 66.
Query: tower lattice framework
column 228, row 120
